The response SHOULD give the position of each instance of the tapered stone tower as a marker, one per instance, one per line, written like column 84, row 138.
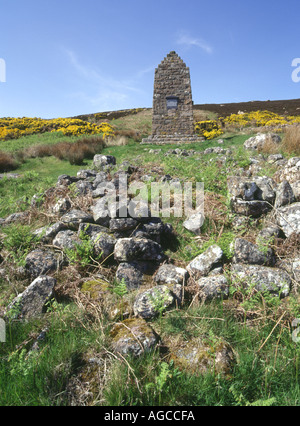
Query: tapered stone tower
column 172, row 120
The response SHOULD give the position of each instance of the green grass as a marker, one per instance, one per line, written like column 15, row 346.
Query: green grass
column 267, row 359
column 37, row 175
column 41, row 378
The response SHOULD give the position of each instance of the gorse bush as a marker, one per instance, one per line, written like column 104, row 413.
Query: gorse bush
column 260, row 119
column 13, row 128
column 210, row 129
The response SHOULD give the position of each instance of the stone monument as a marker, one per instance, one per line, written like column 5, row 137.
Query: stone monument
column 172, row 119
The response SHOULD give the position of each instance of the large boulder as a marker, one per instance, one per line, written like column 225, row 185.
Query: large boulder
column 263, row 278
column 171, row 274
column 288, row 219
column 32, row 302
column 41, row 262
column 213, row 287
column 133, row 337
column 131, row 273
column 128, row 249
column 205, row 262
column 74, row 218
column 151, row 302
column 67, row 240
column 247, row 252
column 202, row 355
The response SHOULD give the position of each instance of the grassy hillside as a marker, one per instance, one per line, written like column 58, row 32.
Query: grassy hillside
column 75, row 363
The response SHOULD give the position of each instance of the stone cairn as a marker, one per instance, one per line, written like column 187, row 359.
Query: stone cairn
column 172, row 120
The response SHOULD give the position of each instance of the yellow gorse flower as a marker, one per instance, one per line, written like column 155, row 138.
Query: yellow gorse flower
column 13, row 128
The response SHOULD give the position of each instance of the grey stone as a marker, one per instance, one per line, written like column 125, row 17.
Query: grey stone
column 205, row 262
column 132, row 275
column 40, row 262
column 146, row 303
column 292, row 267
column 83, row 187
column 100, row 161
column 66, row 180
column 31, row 303
column 284, row 194
column 290, row 171
column 62, row 206
column 274, row 158
column 264, row 279
column 101, row 213
column 47, row 233
column 85, row 174
column 200, row 356
column 133, row 337
column 91, row 229
column 213, row 287
column 252, row 189
column 121, row 225
column 67, row 240
column 250, row 208
column 194, row 223
column 15, row 217
column 247, row 252
column 104, row 245
column 128, row 249
column 296, row 190
column 171, row 274
column 267, row 235
column 257, row 142
column 74, row 217
column 288, row 219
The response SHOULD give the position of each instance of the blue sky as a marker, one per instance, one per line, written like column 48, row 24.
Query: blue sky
column 65, row 58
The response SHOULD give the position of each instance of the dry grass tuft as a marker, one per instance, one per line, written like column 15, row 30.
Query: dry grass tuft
column 7, row 162
column 291, row 142
column 74, row 152
column 270, row 147
column 119, row 140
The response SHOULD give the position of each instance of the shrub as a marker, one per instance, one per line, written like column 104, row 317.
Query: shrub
column 7, row 162
column 210, row 129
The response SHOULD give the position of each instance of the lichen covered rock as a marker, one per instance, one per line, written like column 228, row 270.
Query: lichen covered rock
column 148, row 304
column 133, row 337
column 205, row 262
column 213, row 287
column 128, row 249
column 31, row 303
column 203, row 355
column 264, row 279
